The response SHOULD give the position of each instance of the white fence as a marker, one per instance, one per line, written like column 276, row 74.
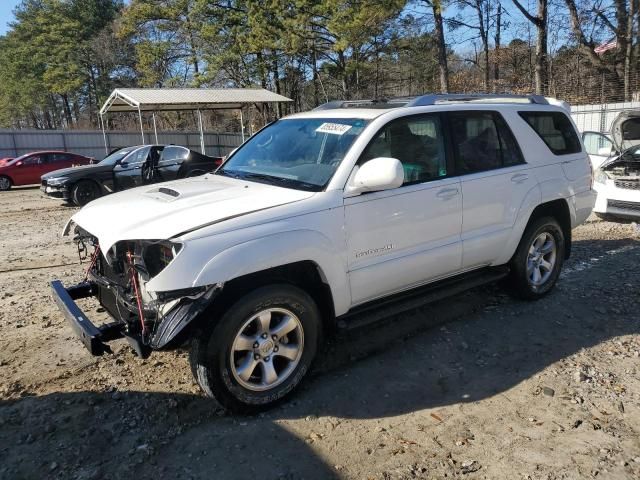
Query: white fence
column 599, row 117
column 14, row 143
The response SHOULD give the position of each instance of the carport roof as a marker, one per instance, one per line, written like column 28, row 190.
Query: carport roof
column 173, row 99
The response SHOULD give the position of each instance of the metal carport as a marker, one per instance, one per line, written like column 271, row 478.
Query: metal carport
column 178, row 99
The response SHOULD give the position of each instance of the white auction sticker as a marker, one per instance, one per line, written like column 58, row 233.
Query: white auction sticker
column 334, row 128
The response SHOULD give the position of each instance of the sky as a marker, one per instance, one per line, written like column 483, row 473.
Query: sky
column 6, row 7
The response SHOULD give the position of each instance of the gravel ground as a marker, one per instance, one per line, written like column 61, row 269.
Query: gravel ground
column 476, row 386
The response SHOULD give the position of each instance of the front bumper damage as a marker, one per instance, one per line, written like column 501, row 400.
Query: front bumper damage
column 165, row 314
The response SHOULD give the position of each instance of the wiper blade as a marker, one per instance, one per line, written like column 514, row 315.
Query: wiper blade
column 281, row 180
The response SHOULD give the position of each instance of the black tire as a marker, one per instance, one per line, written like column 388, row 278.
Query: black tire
column 212, row 349
column 84, row 191
column 520, row 282
column 5, row 183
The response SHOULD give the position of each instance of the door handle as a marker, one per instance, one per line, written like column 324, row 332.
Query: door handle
column 447, row 193
column 519, row 178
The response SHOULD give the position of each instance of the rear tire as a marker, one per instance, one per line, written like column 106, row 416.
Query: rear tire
column 5, row 183
column 259, row 350
column 536, row 265
column 84, row 191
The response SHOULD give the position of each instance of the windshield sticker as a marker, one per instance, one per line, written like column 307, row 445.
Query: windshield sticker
column 333, row 128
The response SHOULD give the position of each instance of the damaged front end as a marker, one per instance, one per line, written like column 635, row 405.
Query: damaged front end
column 118, row 279
column 624, row 171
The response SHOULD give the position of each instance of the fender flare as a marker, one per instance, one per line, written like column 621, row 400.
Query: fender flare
column 279, row 249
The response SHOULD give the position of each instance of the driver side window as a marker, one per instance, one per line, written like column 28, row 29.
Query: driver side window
column 417, row 142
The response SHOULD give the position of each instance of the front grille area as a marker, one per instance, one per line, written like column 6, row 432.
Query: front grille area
column 635, row 206
column 628, row 184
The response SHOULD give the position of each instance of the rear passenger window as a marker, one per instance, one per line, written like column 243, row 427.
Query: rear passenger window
column 483, row 141
column 417, row 142
column 61, row 157
column 555, row 130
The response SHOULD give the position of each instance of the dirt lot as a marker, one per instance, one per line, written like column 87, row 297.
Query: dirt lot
column 479, row 386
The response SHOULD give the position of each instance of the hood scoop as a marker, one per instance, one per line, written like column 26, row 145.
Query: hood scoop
column 164, row 193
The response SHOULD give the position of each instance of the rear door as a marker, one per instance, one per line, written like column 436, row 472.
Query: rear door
column 170, row 161
column 61, row 160
column 495, row 180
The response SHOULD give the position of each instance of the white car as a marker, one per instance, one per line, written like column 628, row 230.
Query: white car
column 320, row 218
column 617, row 175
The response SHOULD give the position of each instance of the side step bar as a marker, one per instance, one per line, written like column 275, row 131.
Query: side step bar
column 378, row 310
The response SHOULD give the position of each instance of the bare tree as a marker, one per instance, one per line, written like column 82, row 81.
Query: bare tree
column 540, row 21
column 436, row 8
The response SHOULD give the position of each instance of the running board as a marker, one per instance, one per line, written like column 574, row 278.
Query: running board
column 381, row 309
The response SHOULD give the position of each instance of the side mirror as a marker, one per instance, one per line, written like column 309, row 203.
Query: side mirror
column 382, row 173
column 19, row 164
column 123, row 163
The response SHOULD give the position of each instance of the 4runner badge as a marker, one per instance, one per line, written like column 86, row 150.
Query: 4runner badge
column 373, row 251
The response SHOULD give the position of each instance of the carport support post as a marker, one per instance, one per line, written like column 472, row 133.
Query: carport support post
column 241, row 125
column 104, row 135
column 201, row 133
column 155, row 129
column 141, row 127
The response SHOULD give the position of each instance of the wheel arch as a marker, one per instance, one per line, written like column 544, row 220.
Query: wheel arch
column 9, row 177
column 306, row 275
column 558, row 209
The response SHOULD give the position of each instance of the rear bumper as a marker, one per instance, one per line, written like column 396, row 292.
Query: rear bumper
column 93, row 337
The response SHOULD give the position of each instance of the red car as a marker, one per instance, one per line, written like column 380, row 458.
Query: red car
column 28, row 169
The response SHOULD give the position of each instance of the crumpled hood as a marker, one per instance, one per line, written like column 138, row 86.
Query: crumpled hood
column 165, row 210
column 76, row 171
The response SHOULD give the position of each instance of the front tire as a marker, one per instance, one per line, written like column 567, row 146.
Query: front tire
column 84, row 191
column 5, row 183
column 536, row 265
column 260, row 349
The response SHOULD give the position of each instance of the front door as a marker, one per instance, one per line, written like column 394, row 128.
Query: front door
column 599, row 147
column 31, row 169
column 128, row 172
column 405, row 237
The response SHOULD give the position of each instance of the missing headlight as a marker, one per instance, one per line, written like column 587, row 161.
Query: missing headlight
column 158, row 255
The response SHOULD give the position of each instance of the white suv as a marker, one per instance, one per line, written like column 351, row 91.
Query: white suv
column 322, row 216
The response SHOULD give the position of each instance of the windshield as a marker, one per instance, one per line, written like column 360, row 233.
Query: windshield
column 13, row 161
column 116, row 156
column 300, row 153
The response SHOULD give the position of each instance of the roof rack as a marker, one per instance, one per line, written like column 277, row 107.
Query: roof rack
column 433, row 99
column 367, row 103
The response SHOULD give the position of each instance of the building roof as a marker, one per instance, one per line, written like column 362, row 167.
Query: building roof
column 173, row 99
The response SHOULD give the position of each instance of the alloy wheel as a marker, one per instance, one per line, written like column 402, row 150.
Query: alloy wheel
column 541, row 259
column 5, row 183
column 267, row 349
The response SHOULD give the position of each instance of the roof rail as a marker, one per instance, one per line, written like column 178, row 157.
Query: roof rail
column 367, row 103
column 432, row 99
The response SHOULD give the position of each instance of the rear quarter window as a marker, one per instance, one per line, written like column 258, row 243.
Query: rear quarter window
column 556, row 131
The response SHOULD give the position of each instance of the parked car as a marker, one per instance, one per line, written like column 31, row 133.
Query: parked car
column 617, row 165
column 126, row 168
column 27, row 169
column 321, row 218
